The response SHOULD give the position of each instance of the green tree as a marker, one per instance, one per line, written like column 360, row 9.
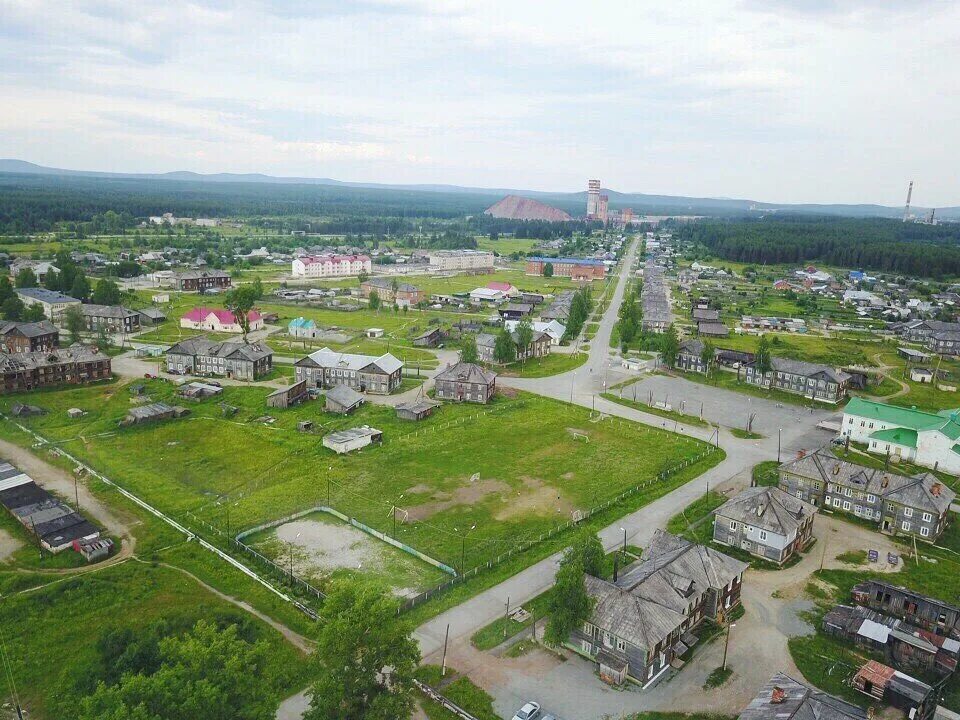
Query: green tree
column 468, row 349
column 706, row 356
column 240, row 302
column 52, row 280
column 74, row 323
column 107, row 292
column 80, row 288
column 548, row 270
column 373, row 300
column 569, row 605
column 33, row 313
column 365, row 657
column 588, row 548
column 6, row 289
column 761, row 358
column 257, row 286
column 504, row 349
column 26, row 278
column 206, row 673
column 524, row 337
column 669, row 347
column 12, row 309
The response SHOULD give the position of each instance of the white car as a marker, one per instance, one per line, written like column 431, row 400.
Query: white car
column 530, row 711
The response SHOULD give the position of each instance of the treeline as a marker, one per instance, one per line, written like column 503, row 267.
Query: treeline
column 873, row 243
column 530, row 229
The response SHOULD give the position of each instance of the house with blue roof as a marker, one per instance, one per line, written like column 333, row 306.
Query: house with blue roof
column 923, row 438
column 302, row 328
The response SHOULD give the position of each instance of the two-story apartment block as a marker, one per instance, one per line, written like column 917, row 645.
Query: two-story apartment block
column 233, row 359
column 818, row 382
column 323, row 266
column 646, row 618
column 931, row 614
column 690, row 357
column 898, row 504
column 29, row 337
column 392, row 291
column 766, row 522
column 922, row 438
column 74, row 365
column 933, row 334
column 111, row 318
column 201, row 280
column 466, row 382
column 54, row 303
column 364, row 373
column 539, row 346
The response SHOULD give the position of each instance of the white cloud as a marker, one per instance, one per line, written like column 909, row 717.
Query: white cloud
column 827, row 101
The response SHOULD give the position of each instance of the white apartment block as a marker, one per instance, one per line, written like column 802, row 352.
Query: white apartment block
column 326, row 266
column 461, row 259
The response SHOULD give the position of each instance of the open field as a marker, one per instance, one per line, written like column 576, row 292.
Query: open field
column 553, row 364
column 507, row 246
column 536, row 460
column 812, row 348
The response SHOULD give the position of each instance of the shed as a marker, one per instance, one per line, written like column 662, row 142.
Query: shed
column 151, row 316
column 149, row 351
column 921, row 374
column 416, row 410
column 343, row 399
column 153, row 412
column 345, row 441
column 429, row 338
column 138, row 389
column 913, row 355
column 21, row 410
column 75, row 413
column 198, row 390
column 285, row 397
column 374, row 332
column 305, row 426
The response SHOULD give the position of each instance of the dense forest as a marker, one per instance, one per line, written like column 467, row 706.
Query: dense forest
column 872, row 243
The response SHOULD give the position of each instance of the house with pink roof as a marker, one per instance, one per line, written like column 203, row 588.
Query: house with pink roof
column 218, row 320
column 506, row 288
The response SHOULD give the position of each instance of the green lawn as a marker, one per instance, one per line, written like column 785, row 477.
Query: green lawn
column 766, row 474
column 812, row 348
column 538, row 460
column 552, row 364
column 695, row 521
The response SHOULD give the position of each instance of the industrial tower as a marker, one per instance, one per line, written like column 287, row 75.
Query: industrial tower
column 906, row 208
column 593, row 198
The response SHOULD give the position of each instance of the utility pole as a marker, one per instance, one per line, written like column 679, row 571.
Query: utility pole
column 443, row 664
column 505, row 617
column 726, row 645
column 779, row 431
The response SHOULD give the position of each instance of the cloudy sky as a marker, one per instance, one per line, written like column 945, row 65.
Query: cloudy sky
column 779, row 100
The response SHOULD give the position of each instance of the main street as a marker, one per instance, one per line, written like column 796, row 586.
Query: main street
column 583, row 386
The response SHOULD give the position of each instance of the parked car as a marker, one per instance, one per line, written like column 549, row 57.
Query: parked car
column 839, row 440
column 529, row 711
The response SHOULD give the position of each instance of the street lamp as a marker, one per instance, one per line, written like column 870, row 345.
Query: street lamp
column 463, row 547
column 624, row 539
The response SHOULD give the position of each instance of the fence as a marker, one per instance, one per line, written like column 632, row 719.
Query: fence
column 441, row 700
column 412, row 602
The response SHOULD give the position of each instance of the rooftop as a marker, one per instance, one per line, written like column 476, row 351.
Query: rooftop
column 47, row 296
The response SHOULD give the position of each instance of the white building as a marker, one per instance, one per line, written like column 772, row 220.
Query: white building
column 461, row 259
column 54, row 303
column 345, row 441
column 927, row 439
column 487, row 295
column 324, row 266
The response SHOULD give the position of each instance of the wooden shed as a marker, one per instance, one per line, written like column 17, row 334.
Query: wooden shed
column 343, row 400
column 288, row 396
column 416, row 410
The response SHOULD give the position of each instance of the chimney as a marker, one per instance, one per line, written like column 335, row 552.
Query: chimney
column 871, row 712
column 777, row 696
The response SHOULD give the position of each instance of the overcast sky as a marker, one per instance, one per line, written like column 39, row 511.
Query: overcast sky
column 784, row 101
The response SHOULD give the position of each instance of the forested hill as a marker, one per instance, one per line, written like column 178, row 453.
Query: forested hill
column 875, row 244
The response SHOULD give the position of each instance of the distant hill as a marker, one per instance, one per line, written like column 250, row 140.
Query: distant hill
column 514, row 207
column 473, row 197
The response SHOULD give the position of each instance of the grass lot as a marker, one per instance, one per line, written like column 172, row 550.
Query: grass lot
column 744, row 434
column 766, row 474
column 458, row 689
column 507, row 246
column 812, row 348
column 925, row 396
column 51, row 634
column 553, row 364
column 533, row 471
column 654, row 410
column 695, row 521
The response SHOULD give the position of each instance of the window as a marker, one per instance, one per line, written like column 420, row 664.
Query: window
column 871, row 498
column 908, row 512
column 927, row 517
column 763, row 534
column 836, row 502
column 925, row 531
column 586, row 647
column 608, row 640
column 848, row 492
column 846, row 504
column 905, row 526
column 588, row 629
column 621, row 645
column 733, row 524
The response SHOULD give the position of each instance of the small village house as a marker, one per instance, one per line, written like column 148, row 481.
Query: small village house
column 766, row 522
column 416, row 410
column 110, row 318
column 288, row 396
column 29, row 337
column 342, row 399
column 233, row 359
column 465, row 382
column 201, row 280
column 380, row 375
column 218, row 320
column 784, row 698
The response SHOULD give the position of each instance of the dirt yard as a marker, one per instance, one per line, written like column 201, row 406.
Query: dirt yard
column 323, row 547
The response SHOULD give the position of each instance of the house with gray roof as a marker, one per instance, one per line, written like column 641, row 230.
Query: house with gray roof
column 784, row 698
column 539, row 346
column 232, row 358
column 647, row 617
column 110, row 318
column 379, row 375
column 818, row 382
column 342, row 399
column 465, row 382
column 54, row 303
column 29, row 337
column 766, row 522
column 914, row 506
column 690, row 356
column 345, row 441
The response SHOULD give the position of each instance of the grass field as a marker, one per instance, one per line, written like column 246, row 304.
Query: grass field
column 538, row 460
column 552, row 364
column 694, row 522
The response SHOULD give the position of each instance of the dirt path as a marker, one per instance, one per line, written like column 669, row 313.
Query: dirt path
column 62, row 483
column 883, row 368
